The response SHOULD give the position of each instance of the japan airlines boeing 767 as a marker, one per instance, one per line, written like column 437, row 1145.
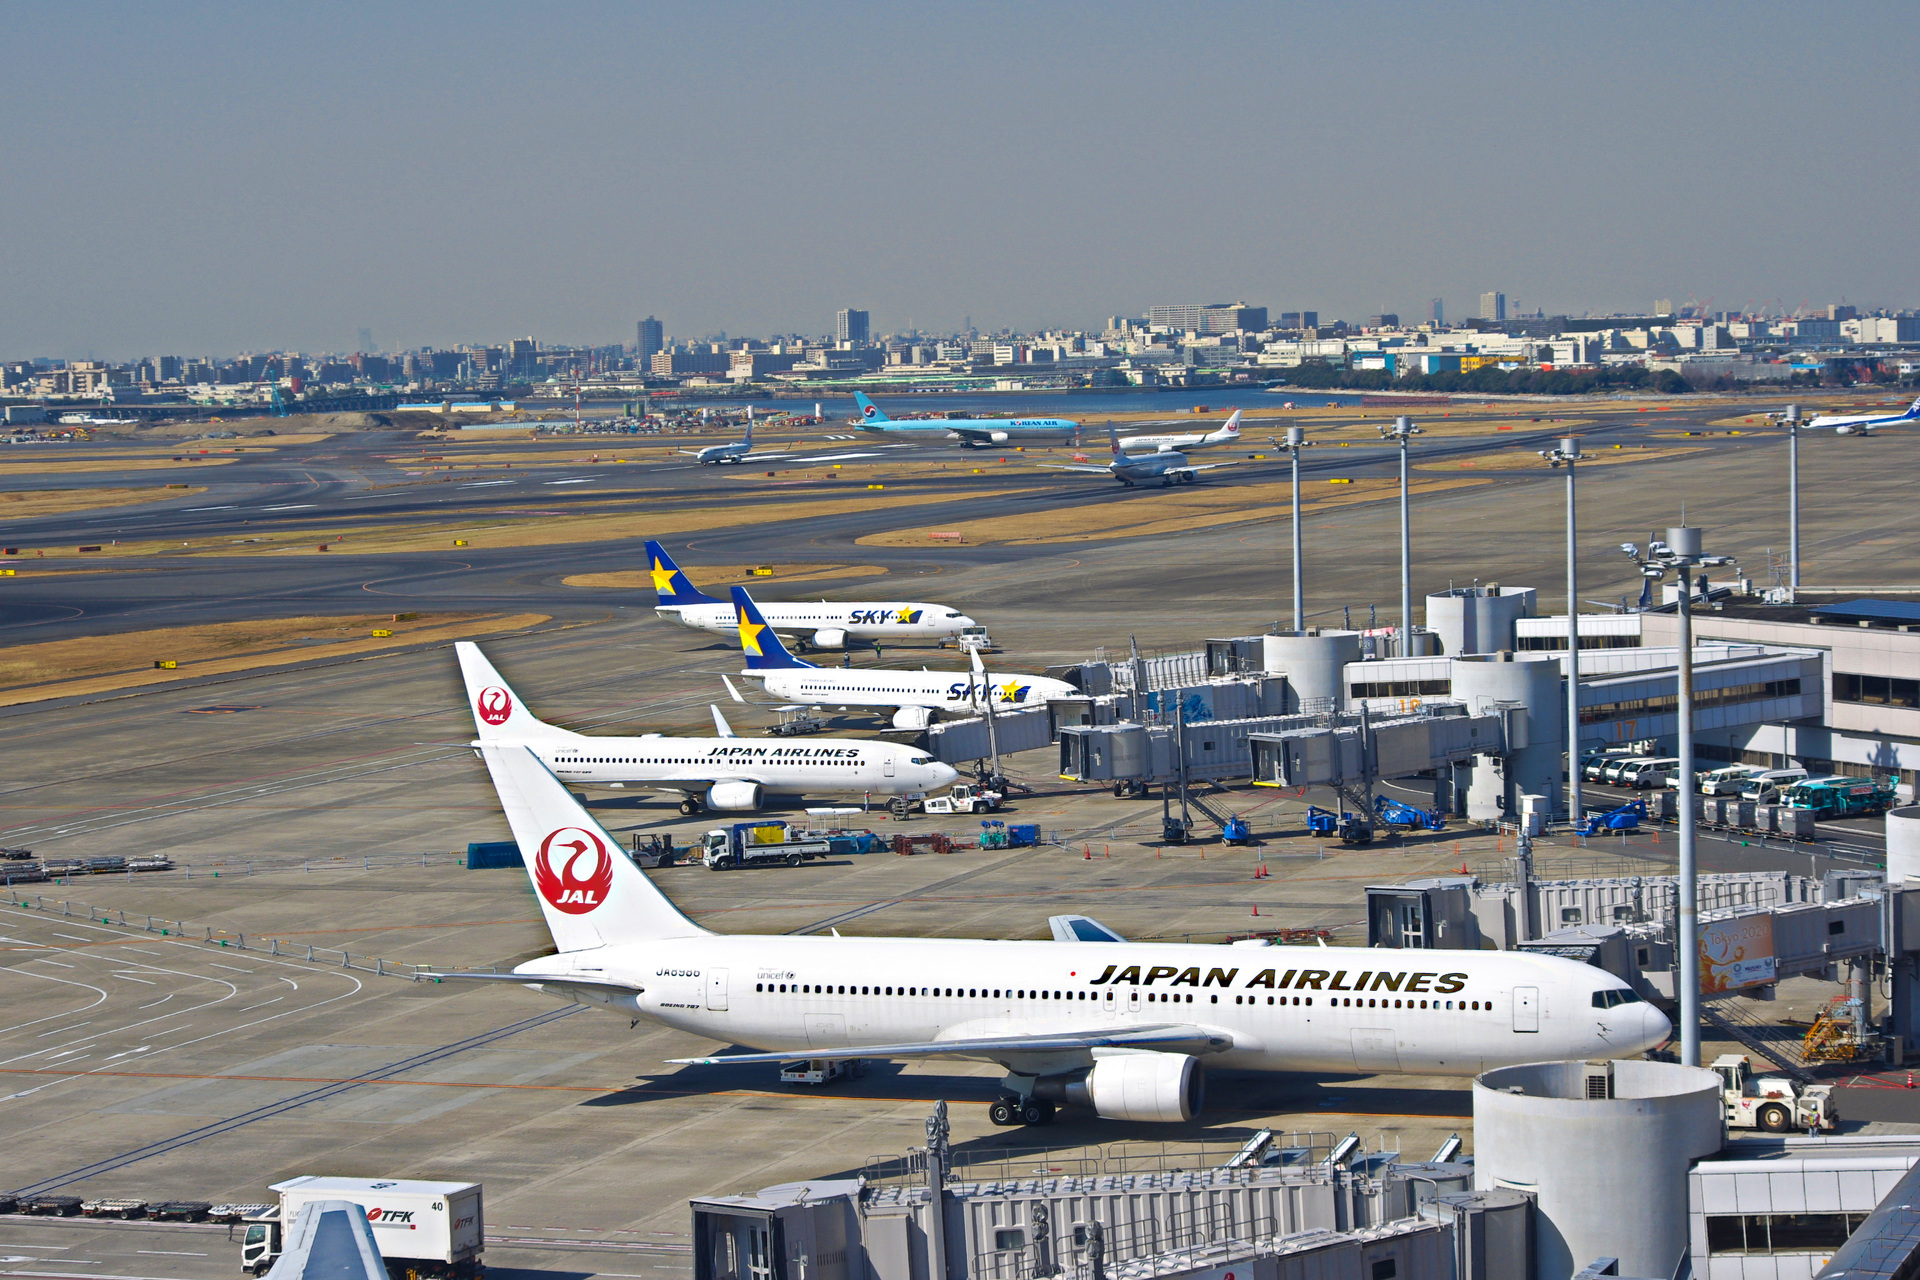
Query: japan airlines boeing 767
column 914, row 695
column 1125, row 1028
column 1185, row 441
column 724, row 772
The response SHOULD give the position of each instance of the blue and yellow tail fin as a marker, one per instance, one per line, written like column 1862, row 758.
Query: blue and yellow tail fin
column 870, row 412
column 669, row 583
column 762, row 647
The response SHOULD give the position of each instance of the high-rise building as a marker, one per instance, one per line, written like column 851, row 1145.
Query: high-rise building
column 1493, row 306
column 1212, row 317
column 850, row 325
column 522, row 355
column 651, row 336
column 1439, row 313
column 1663, row 306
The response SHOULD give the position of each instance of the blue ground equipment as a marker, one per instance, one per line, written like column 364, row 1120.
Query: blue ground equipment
column 1237, row 830
column 1398, row 813
column 1625, row 818
column 1352, row 828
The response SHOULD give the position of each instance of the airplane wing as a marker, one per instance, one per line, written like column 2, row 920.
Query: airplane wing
column 1204, row 466
column 1061, row 466
column 720, row 725
column 330, row 1240
column 563, row 984
column 1080, row 929
column 1166, row 1038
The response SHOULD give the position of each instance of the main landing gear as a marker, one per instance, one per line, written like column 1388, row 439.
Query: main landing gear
column 690, row 806
column 1010, row 1109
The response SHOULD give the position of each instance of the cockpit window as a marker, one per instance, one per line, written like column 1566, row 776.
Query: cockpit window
column 921, row 760
column 1619, row 995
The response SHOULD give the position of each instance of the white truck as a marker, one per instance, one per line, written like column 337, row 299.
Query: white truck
column 423, row 1228
column 1772, row 1104
column 964, row 798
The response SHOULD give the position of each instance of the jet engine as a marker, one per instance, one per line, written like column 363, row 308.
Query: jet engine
column 1158, row 1088
column 913, row 717
column 830, row 638
column 998, row 437
column 733, row 797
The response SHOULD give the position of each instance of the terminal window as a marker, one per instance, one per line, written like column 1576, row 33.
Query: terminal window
column 1780, row 1232
column 1667, row 704
column 1403, row 689
column 1880, row 691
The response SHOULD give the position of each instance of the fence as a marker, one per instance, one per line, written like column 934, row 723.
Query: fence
column 17, row 872
column 1117, row 1159
column 337, row 958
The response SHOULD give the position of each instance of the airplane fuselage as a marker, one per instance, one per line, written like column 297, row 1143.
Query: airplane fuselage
column 821, row 766
column 1145, row 468
column 878, row 687
column 1284, row 1008
column 982, row 431
column 821, row 618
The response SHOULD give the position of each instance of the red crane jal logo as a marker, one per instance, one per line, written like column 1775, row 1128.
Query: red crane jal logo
column 573, row 871
column 494, row 704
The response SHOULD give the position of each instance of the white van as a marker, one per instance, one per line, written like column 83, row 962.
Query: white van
column 1765, row 788
column 1642, row 774
column 1728, row 779
column 1614, row 768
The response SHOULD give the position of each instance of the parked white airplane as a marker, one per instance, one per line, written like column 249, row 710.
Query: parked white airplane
column 1121, row 1027
column 826, row 624
column 737, row 451
column 723, row 773
column 1862, row 424
column 1168, row 466
column 915, row 696
column 1187, row 441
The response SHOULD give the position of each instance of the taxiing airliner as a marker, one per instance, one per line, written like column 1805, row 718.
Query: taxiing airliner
column 1863, row 424
column 970, row 432
column 736, row 451
column 1168, row 466
column 723, row 773
column 915, row 696
column 1186, row 441
column 824, row 624
column 1126, row 1029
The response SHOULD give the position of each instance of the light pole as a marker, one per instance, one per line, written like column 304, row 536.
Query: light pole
column 1569, row 453
column 1793, row 501
column 1682, row 551
column 1402, row 431
column 1296, row 441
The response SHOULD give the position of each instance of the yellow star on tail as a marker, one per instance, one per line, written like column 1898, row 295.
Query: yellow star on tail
column 662, row 578
column 750, row 636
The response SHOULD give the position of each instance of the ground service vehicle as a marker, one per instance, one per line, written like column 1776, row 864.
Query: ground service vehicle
column 1840, row 797
column 1594, row 768
column 1765, row 788
column 761, row 844
column 1728, row 780
column 1772, row 1104
column 422, row 1228
column 1644, row 774
column 1617, row 766
column 964, row 798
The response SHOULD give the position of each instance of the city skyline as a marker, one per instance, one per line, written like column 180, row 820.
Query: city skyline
column 220, row 186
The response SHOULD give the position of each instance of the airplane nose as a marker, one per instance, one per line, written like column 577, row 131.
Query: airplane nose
column 945, row 775
column 964, row 621
column 1656, row 1027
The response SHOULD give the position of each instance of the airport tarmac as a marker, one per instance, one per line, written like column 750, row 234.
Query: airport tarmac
column 334, row 779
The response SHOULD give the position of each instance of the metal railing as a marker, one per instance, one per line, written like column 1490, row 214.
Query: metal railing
column 63, row 871
column 1118, row 1159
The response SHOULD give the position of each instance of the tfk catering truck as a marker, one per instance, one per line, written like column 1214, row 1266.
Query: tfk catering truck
column 423, row 1228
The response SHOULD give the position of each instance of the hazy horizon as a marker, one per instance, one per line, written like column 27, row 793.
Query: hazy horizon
column 209, row 179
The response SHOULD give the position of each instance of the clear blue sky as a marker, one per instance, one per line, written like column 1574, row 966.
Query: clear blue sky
column 193, row 178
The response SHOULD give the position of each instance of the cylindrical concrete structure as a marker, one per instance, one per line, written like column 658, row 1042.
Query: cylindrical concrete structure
column 1478, row 619
column 1532, row 766
column 1610, row 1173
column 1903, row 844
column 1312, row 662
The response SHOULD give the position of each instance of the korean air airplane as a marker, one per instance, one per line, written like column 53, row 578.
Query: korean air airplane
column 970, row 432
column 1185, row 442
column 721, row 773
column 1864, row 424
column 824, row 624
column 1124, row 1029
column 916, row 697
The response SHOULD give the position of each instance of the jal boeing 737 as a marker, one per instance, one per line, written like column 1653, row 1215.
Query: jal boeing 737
column 1863, row 424
column 1185, row 442
column 824, row 624
column 722, row 773
column 915, row 696
column 968, row 431
column 1126, row 1029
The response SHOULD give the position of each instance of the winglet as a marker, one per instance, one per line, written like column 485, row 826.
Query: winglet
column 669, row 583
column 869, row 411
column 720, row 725
column 758, row 642
column 730, row 689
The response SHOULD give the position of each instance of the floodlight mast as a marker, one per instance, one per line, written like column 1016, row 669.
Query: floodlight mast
column 1793, row 501
column 1402, row 431
column 1296, row 441
column 1568, row 454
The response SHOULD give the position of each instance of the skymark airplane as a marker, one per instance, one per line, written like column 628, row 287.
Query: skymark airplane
column 1168, row 466
column 738, row 451
column 722, row 773
column 969, row 431
column 1186, row 441
column 825, row 624
column 1863, row 424
column 915, row 696
column 1125, row 1029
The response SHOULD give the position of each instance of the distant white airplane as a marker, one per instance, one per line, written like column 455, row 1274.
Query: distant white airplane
column 1168, row 466
column 1125, row 1030
column 737, row 451
column 914, row 696
column 1185, row 441
column 1864, row 423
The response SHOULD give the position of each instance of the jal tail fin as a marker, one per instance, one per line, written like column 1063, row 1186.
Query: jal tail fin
column 1232, row 428
column 749, row 439
column 1113, row 438
column 498, row 713
column 869, row 411
column 591, row 893
column 669, row 583
column 762, row 647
